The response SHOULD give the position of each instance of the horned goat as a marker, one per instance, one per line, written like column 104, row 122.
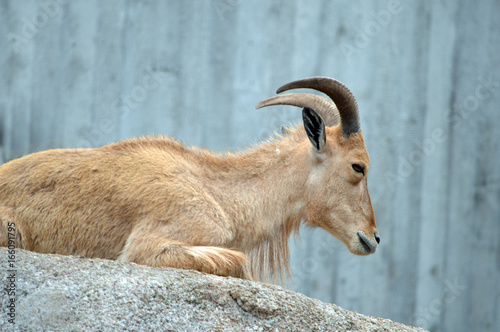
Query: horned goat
column 156, row 202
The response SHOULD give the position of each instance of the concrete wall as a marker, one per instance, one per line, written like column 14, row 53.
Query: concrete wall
column 427, row 77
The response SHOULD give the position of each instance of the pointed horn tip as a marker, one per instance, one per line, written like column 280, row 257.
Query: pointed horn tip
column 260, row 105
column 268, row 102
column 280, row 90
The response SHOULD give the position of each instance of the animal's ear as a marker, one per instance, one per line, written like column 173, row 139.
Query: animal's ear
column 315, row 128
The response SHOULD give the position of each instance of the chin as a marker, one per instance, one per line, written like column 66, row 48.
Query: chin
column 359, row 251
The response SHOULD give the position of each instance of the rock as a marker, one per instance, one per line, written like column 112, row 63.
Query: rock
column 61, row 293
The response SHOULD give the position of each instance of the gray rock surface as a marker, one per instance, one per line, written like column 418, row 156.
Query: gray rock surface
column 60, row 293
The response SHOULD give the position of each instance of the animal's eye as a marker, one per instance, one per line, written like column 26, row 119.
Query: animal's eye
column 359, row 168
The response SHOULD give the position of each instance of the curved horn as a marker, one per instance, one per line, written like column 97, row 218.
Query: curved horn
column 341, row 96
column 325, row 108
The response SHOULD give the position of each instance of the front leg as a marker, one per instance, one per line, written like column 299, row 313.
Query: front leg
column 152, row 246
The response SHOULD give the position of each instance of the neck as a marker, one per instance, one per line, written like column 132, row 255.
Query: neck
column 264, row 193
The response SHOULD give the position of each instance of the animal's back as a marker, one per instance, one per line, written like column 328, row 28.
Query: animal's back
column 100, row 192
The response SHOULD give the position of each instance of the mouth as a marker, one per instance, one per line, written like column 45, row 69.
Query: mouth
column 368, row 245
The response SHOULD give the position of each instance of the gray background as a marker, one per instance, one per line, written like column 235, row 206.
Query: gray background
column 426, row 75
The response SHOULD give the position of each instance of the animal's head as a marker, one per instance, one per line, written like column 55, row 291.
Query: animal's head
column 337, row 197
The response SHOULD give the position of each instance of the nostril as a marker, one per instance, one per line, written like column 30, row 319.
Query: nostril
column 377, row 238
column 367, row 243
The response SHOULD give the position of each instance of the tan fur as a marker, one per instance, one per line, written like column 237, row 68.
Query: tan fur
column 154, row 201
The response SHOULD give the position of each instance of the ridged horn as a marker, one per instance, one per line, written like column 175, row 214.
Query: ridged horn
column 325, row 108
column 340, row 95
